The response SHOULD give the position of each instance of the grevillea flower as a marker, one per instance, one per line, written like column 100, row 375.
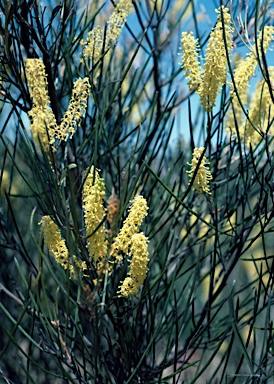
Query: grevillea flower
column 117, row 20
column 242, row 75
column 246, row 67
column 57, row 246
column 203, row 176
column 131, row 226
column 190, row 62
column 77, row 106
column 43, row 122
column 261, row 111
column 208, row 80
column 94, row 214
column 264, row 39
column 92, row 46
column 138, row 266
column 214, row 73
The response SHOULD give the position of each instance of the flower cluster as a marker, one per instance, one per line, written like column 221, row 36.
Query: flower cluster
column 190, row 61
column 132, row 243
column 244, row 71
column 264, row 39
column 135, row 246
column 242, row 75
column 215, row 72
column 261, row 111
column 208, row 80
column 77, row 106
column 138, row 266
column 57, row 247
column 246, row 67
column 203, row 175
column 93, row 45
column 94, row 214
column 131, row 226
column 117, row 20
column 43, row 123
column 128, row 241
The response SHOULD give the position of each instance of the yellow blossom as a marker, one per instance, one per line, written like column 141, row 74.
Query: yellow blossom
column 138, row 266
column 203, row 176
column 261, row 111
column 190, row 61
column 137, row 212
column 94, row 214
column 266, row 35
column 43, row 122
column 78, row 104
column 243, row 73
column 37, row 82
column 207, row 80
column 117, row 20
column 246, row 67
column 214, row 73
column 92, row 46
column 57, row 246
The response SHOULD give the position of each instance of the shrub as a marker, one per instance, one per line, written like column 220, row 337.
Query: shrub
column 136, row 193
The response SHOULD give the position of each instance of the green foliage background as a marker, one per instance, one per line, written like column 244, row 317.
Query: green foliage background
column 205, row 311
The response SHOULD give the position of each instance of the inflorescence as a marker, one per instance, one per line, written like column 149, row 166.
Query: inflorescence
column 203, row 174
column 207, row 80
column 104, row 251
column 93, row 45
column 44, row 127
column 250, row 122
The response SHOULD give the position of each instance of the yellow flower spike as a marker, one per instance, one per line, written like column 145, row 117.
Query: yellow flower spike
column 137, row 213
column 43, row 122
column 214, row 73
column 117, row 20
column 138, row 266
column 77, row 106
column 92, row 46
column 267, row 35
column 94, row 214
column 203, row 176
column 242, row 75
column 57, row 246
column 246, row 67
column 261, row 111
column 190, row 61
column 37, row 82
